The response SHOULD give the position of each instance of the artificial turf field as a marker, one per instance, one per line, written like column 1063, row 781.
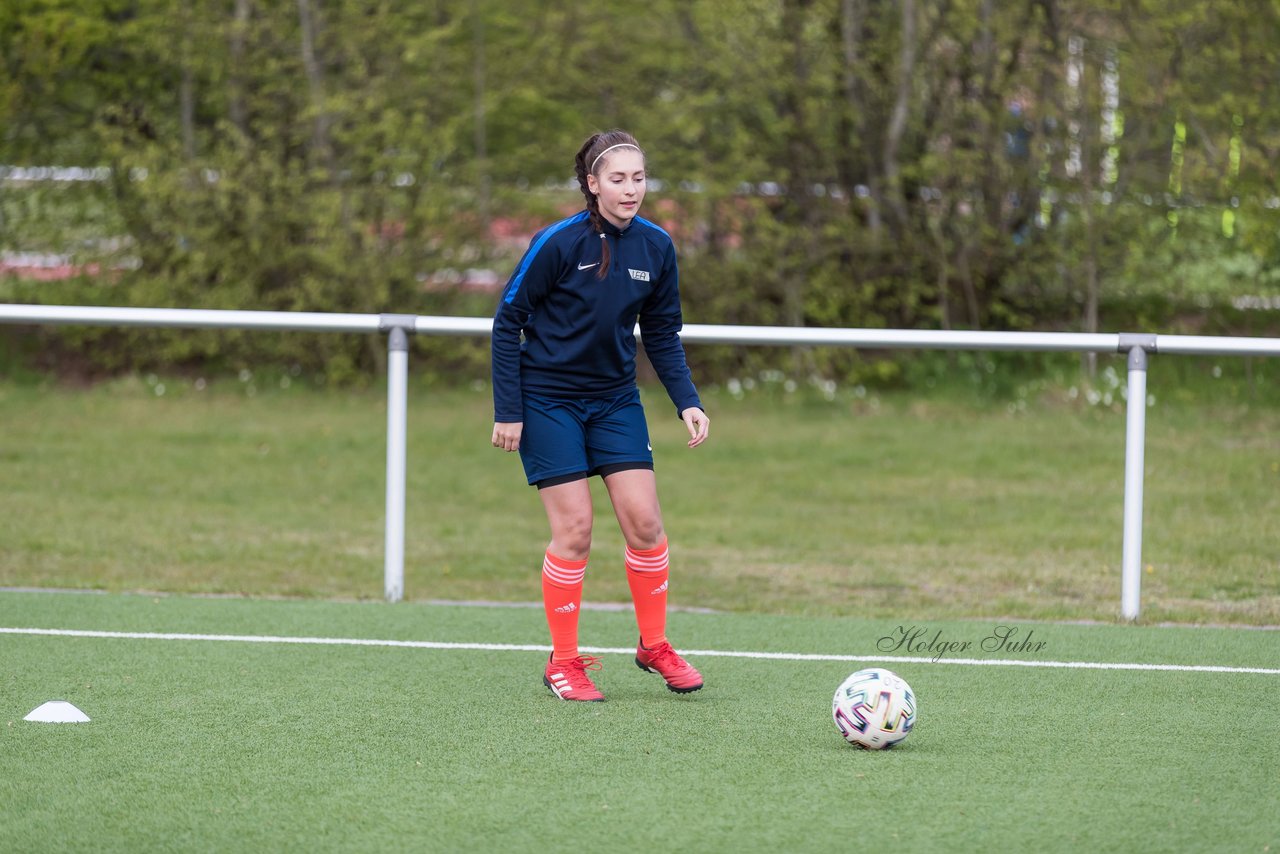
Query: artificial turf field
column 231, row 744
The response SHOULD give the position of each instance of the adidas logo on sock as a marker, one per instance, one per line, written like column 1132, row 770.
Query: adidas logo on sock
column 568, row 609
column 661, row 588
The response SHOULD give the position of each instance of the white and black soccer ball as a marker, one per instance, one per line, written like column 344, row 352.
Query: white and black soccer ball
column 874, row 708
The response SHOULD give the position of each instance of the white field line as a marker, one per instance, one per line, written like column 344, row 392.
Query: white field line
column 693, row 653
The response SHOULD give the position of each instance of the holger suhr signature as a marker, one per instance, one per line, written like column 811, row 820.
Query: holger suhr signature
column 919, row 640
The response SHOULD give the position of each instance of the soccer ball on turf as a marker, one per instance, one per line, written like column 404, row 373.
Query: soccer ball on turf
column 874, row 708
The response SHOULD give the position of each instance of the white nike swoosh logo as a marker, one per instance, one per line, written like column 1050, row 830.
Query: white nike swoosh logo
column 588, row 266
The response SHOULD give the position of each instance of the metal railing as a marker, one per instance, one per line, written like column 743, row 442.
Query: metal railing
column 398, row 327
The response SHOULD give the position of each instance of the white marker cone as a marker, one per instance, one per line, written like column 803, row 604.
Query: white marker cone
column 57, row 712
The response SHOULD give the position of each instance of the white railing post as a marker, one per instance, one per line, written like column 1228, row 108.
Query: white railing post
column 1134, row 467
column 397, row 403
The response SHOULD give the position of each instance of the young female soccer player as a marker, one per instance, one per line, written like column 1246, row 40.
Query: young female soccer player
column 566, row 399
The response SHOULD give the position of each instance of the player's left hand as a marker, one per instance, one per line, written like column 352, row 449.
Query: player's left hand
column 698, row 423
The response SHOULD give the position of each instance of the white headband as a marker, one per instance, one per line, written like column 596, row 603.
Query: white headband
column 611, row 148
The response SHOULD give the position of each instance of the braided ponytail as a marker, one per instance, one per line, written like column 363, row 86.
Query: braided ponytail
column 589, row 157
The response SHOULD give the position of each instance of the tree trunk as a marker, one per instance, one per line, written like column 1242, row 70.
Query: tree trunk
column 478, row 79
column 1047, row 97
column 901, row 107
column 1089, row 218
column 1090, row 268
column 235, row 80
column 992, row 198
column 944, row 269
column 186, row 84
column 851, row 15
column 970, row 291
column 321, row 151
column 799, row 208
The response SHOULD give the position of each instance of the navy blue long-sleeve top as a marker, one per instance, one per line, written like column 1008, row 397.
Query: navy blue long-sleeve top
column 578, row 330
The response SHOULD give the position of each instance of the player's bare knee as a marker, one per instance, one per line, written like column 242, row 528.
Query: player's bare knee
column 572, row 541
column 646, row 534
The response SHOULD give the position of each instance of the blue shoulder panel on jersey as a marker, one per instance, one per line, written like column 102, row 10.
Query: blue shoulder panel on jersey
column 537, row 246
column 652, row 225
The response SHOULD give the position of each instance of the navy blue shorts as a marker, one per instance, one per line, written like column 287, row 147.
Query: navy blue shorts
column 570, row 438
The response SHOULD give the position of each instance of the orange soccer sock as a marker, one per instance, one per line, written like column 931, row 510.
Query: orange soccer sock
column 647, row 572
column 562, row 598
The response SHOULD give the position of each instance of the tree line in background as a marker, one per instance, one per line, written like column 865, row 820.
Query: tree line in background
column 1052, row 164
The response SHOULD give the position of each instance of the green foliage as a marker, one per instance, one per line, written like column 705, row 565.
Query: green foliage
column 832, row 163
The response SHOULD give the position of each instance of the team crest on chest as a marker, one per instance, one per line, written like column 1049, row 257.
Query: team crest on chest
column 639, row 275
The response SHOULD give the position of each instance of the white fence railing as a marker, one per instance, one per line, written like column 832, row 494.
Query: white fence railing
column 400, row 326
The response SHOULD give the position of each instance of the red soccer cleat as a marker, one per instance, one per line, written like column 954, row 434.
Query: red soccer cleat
column 662, row 659
column 568, row 680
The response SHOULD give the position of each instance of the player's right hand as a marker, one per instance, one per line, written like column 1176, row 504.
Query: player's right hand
column 506, row 435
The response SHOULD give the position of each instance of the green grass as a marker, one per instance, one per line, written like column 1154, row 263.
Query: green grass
column 199, row 745
column 871, row 505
